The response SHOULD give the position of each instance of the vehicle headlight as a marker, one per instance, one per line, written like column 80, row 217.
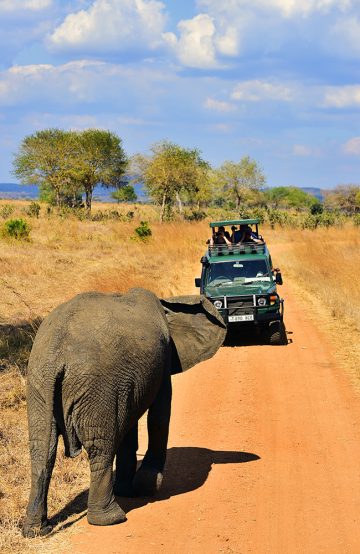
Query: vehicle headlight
column 218, row 304
column 262, row 301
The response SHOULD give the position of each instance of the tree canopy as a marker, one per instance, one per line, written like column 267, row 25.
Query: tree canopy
column 170, row 173
column 71, row 162
column 345, row 198
column 289, row 197
column 125, row 194
column 234, row 180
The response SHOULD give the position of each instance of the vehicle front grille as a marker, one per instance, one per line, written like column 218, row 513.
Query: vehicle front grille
column 240, row 305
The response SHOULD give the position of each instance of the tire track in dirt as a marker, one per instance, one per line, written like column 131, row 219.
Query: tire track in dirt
column 264, row 457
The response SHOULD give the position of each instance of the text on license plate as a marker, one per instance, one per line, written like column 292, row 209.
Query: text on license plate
column 246, row 317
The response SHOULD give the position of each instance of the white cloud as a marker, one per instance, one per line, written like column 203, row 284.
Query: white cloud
column 76, row 82
column 110, row 25
column 345, row 36
column 303, row 150
column 257, row 91
column 342, row 97
column 223, row 128
column 195, row 46
column 287, row 8
column 218, row 105
column 15, row 5
column 202, row 39
column 352, row 146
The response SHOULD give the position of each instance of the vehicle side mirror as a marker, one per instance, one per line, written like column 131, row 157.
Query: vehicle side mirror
column 278, row 278
column 198, row 282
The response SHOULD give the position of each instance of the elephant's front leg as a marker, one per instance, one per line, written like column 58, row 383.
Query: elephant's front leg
column 126, row 464
column 149, row 476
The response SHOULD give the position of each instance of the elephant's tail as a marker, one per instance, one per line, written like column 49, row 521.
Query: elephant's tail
column 63, row 418
column 46, row 393
column 41, row 385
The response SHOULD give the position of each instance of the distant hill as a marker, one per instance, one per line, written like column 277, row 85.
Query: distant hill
column 13, row 190
column 314, row 191
column 31, row 192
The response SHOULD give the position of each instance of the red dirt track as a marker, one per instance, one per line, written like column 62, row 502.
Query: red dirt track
column 264, row 457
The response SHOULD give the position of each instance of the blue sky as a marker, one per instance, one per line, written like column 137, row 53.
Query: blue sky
column 278, row 80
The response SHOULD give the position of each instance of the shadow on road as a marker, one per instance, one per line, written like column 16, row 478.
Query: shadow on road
column 248, row 335
column 187, row 469
column 244, row 335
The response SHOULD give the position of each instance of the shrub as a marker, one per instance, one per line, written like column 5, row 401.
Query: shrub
column 33, row 210
column 254, row 213
column 195, row 215
column 17, row 229
column 325, row 219
column 6, row 211
column 143, row 232
column 316, row 208
column 112, row 214
column 356, row 220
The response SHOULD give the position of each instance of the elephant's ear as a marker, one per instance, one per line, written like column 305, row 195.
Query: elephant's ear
column 196, row 328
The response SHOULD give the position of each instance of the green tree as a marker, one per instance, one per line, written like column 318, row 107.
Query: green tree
column 289, row 197
column 100, row 160
column 67, row 163
column 45, row 159
column 236, row 180
column 345, row 198
column 170, row 173
column 125, row 194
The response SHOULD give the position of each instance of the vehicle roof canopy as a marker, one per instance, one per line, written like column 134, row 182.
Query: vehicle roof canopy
column 235, row 222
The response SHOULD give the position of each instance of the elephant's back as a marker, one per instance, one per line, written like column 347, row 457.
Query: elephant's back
column 96, row 330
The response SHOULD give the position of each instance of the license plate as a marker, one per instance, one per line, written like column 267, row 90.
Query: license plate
column 246, row 317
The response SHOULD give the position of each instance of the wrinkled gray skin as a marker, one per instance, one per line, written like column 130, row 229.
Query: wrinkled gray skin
column 97, row 364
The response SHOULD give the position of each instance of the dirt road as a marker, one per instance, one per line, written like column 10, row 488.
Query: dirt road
column 264, row 457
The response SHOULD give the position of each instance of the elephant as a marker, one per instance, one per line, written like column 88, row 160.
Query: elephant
column 100, row 361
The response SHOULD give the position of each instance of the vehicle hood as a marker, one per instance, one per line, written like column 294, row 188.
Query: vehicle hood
column 236, row 289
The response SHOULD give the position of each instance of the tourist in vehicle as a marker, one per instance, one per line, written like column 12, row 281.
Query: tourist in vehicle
column 226, row 233
column 245, row 234
column 220, row 238
column 249, row 236
column 237, row 234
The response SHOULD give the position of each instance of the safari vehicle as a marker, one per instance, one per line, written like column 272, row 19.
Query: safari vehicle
column 241, row 282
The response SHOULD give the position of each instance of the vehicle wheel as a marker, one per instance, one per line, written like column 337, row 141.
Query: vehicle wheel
column 277, row 333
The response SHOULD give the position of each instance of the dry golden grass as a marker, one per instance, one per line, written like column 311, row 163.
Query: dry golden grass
column 324, row 262
column 322, row 267
column 67, row 256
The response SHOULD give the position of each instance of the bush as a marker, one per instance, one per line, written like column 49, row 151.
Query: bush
column 17, row 229
column 325, row 219
column 254, row 213
column 316, row 208
column 143, row 232
column 106, row 215
column 356, row 220
column 33, row 210
column 6, row 211
column 195, row 215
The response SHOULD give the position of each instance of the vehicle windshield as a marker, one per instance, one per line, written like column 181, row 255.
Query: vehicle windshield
column 246, row 271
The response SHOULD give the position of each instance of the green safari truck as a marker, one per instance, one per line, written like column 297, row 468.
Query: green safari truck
column 239, row 279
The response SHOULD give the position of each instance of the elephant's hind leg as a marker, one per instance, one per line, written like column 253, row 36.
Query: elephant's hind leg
column 102, row 506
column 36, row 522
column 148, row 478
column 126, row 464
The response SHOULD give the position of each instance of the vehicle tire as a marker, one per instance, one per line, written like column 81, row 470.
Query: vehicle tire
column 277, row 333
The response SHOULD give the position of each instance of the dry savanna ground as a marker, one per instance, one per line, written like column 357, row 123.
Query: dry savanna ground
column 65, row 256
